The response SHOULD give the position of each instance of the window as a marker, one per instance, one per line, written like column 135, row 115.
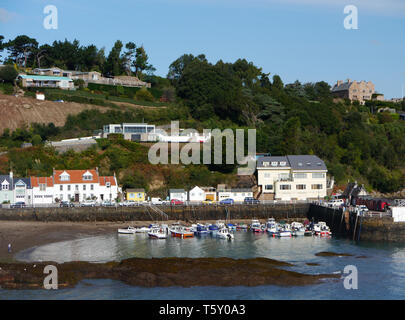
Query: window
column 84, row 187
column 42, row 187
column 87, row 177
column 64, row 177
column 4, row 186
column 268, row 187
column 316, row 186
column 108, row 184
column 91, row 187
column 267, row 175
column 285, row 187
column 318, row 175
column 300, row 175
column 301, row 186
column 77, row 187
column 61, row 187
column 68, row 187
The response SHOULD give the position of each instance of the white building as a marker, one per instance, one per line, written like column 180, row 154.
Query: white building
column 294, row 177
column 178, row 194
column 74, row 185
column 238, row 195
column 196, row 194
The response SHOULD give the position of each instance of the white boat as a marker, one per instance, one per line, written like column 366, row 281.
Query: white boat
column 284, row 231
column 297, row 228
column 256, row 226
column 224, row 233
column 271, row 227
column 322, row 230
column 129, row 230
column 157, row 233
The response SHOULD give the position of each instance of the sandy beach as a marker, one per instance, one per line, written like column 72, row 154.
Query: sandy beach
column 26, row 234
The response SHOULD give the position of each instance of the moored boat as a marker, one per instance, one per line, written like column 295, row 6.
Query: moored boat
column 297, row 229
column 157, row 233
column 129, row 230
column 224, row 233
column 322, row 230
column 181, row 232
column 256, row 226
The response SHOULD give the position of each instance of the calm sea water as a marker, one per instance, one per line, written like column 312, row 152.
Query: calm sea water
column 381, row 273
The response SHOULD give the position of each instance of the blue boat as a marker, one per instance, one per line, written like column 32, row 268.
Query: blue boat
column 213, row 228
column 201, row 230
column 231, row 226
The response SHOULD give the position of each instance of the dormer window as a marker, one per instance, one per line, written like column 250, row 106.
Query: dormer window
column 5, row 185
column 64, row 176
column 87, row 176
column 283, row 163
column 108, row 184
column 274, row 163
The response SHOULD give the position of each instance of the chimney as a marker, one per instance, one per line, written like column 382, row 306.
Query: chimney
column 339, row 82
column 349, row 80
column 11, row 174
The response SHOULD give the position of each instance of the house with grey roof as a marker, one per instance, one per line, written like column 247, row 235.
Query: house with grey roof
column 15, row 189
column 353, row 90
column 292, row 177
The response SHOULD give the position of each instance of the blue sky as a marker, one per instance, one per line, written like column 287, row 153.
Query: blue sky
column 298, row 39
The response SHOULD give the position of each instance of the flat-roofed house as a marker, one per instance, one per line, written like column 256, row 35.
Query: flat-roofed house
column 292, row 177
column 178, row 194
column 137, row 195
column 54, row 71
column 36, row 81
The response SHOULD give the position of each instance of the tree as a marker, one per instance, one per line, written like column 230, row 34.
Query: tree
column 21, row 48
column 141, row 62
column 129, row 57
column 1, row 44
column 8, row 74
column 113, row 65
column 277, row 83
column 177, row 67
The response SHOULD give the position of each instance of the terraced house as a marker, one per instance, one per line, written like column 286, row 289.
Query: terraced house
column 74, row 185
column 15, row 189
column 293, row 177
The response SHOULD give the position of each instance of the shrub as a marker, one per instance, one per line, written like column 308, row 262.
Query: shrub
column 144, row 95
column 8, row 74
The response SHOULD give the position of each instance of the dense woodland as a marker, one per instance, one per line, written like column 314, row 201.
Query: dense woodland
column 356, row 142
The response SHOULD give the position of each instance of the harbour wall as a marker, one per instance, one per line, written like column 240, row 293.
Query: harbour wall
column 348, row 224
column 148, row 213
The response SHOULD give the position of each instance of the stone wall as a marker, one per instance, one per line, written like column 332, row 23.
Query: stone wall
column 145, row 213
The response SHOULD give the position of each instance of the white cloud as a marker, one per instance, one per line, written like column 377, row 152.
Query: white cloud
column 5, row 16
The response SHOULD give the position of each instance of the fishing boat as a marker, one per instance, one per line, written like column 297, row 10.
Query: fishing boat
column 284, row 231
column 157, row 233
column 272, row 227
column 241, row 227
column 181, row 232
column 297, row 229
column 201, row 230
column 322, row 230
column 256, row 226
column 224, row 233
column 129, row 230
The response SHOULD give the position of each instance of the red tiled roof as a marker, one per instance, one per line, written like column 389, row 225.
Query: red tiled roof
column 104, row 180
column 76, row 176
column 36, row 181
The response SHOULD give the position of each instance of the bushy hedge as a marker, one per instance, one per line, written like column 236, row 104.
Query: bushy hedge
column 130, row 92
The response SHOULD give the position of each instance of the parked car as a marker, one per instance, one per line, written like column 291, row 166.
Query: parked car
column 108, row 203
column 227, row 201
column 176, row 202
column 361, row 208
column 251, row 200
column 19, row 204
column 208, row 201
column 66, row 204
column 88, row 203
column 128, row 203
column 158, row 201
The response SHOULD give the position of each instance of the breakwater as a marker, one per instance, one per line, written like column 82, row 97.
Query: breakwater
column 348, row 224
column 148, row 213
